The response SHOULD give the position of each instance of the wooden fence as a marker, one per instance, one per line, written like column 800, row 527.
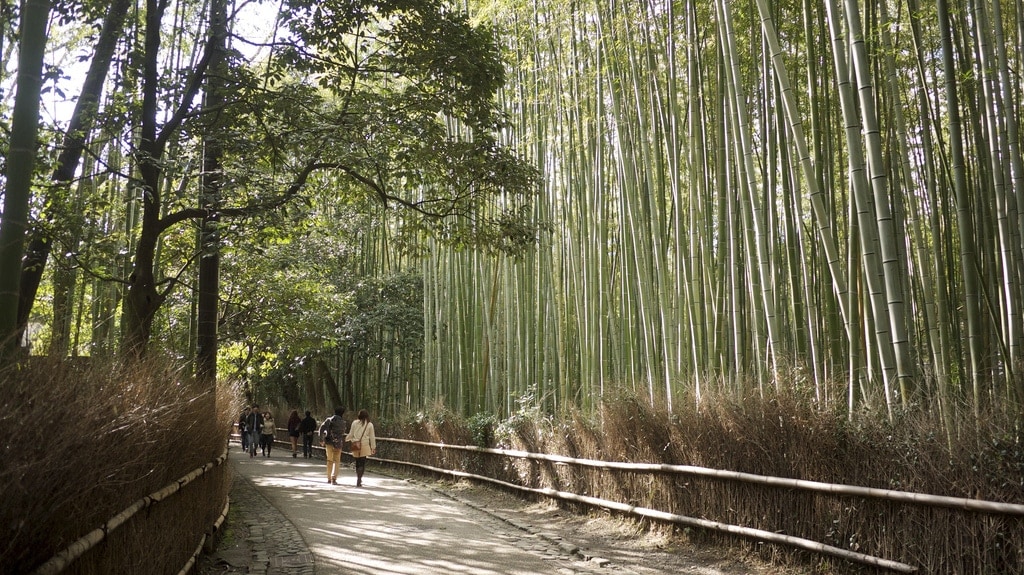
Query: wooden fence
column 64, row 558
column 921, row 499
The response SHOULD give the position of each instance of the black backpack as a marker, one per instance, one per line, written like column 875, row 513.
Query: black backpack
column 330, row 437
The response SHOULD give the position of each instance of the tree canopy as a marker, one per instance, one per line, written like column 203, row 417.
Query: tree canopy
column 390, row 106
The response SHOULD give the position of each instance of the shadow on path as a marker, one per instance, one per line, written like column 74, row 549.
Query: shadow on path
column 388, row 526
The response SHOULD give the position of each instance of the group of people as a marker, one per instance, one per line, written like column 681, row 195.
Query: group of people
column 257, row 428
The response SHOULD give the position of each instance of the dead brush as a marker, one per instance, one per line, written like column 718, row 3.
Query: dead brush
column 85, row 440
column 785, row 435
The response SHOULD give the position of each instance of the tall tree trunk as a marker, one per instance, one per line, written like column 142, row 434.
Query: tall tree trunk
column 822, row 218
column 759, row 258
column 1007, row 171
column 143, row 299
column 964, row 215
column 21, row 156
column 861, row 200
column 209, row 201
column 904, row 181
column 892, row 259
column 1015, row 201
column 330, row 385
column 81, row 124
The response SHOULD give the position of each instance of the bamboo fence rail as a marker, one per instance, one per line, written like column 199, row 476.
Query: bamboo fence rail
column 977, row 505
column 973, row 505
column 64, row 558
column 678, row 519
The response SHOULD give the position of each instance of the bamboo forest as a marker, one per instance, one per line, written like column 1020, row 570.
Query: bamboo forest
column 744, row 195
column 782, row 237
column 664, row 197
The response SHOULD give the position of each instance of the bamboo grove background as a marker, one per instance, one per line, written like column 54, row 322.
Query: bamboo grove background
column 738, row 196
column 822, row 197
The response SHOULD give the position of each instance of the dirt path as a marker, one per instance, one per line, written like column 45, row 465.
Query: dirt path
column 287, row 520
column 618, row 544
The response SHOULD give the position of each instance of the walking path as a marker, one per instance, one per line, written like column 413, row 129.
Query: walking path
column 286, row 519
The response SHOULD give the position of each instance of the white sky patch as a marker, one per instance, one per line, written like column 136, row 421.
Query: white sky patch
column 256, row 21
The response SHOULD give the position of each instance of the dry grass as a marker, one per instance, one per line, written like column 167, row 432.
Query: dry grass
column 784, row 437
column 83, row 441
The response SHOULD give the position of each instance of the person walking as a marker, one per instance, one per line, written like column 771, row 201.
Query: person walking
column 293, row 431
column 269, row 430
column 332, row 436
column 253, row 426
column 307, row 428
column 363, row 443
column 243, row 434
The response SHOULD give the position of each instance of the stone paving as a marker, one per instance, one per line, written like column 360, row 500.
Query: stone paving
column 258, row 538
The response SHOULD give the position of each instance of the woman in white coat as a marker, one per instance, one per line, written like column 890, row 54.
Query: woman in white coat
column 363, row 443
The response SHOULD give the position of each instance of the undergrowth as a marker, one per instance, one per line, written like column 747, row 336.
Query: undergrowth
column 84, row 440
column 776, row 435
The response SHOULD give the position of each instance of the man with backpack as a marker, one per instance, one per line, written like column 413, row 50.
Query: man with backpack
column 332, row 437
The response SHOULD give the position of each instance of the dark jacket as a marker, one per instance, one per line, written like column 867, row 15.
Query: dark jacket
column 254, row 422
column 308, row 425
column 333, row 430
column 293, row 423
